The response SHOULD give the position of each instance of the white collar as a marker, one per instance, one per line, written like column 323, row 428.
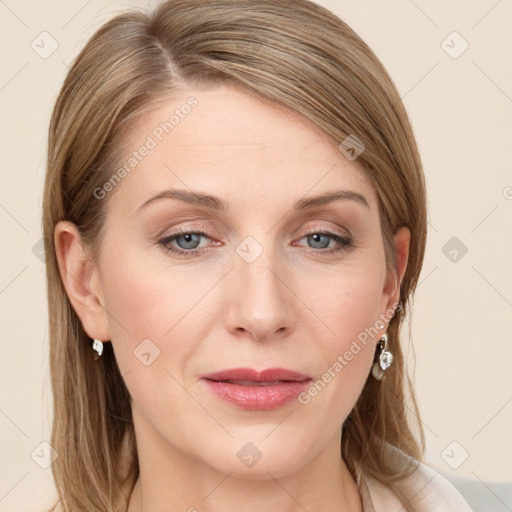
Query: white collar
column 426, row 490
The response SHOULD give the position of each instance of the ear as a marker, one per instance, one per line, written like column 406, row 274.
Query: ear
column 402, row 240
column 80, row 277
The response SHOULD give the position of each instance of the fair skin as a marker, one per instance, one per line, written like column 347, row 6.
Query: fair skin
column 295, row 306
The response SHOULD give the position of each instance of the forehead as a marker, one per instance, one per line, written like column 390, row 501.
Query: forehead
column 227, row 141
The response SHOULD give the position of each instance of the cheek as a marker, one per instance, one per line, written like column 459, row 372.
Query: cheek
column 138, row 309
column 147, row 297
column 152, row 335
column 346, row 301
column 348, row 307
column 154, row 308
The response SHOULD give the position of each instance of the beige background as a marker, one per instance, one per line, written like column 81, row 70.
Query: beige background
column 461, row 111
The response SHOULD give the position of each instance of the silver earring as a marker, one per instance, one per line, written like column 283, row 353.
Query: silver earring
column 98, row 347
column 384, row 360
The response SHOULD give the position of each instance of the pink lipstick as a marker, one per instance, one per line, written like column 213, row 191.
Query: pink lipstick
column 257, row 391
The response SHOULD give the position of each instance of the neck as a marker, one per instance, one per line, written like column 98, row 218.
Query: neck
column 170, row 480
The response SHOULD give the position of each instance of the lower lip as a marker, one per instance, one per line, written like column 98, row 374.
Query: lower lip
column 258, row 398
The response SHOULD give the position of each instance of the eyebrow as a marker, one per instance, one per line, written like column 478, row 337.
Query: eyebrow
column 215, row 203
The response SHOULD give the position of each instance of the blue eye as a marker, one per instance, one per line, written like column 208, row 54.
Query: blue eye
column 321, row 240
column 188, row 242
column 191, row 240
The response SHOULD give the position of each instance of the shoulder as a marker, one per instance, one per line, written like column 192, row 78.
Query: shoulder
column 433, row 492
column 425, row 490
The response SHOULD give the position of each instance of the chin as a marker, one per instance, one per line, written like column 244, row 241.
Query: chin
column 254, row 457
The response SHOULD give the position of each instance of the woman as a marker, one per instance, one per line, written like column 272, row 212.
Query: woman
column 235, row 218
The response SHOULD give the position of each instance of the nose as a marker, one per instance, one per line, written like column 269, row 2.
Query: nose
column 260, row 298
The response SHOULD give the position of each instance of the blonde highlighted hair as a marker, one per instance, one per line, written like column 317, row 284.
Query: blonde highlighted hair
column 296, row 54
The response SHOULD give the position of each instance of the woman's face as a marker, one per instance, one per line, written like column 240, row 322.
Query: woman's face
column 274, row 279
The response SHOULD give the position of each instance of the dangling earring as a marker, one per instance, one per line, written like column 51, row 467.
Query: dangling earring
column 385, row 358
column 98, row 347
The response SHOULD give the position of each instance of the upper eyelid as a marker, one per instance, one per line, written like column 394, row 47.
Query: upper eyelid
column 207, row 230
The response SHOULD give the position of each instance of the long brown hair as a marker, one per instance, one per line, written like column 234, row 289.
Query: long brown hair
column 298, row 55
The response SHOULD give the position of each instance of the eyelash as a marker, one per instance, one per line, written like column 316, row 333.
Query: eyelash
column 346, row 242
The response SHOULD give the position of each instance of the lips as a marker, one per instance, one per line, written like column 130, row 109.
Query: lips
column 250, row 376
column 253, row 390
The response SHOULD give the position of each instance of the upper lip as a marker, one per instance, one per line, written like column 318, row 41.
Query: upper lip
column 249, row 374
